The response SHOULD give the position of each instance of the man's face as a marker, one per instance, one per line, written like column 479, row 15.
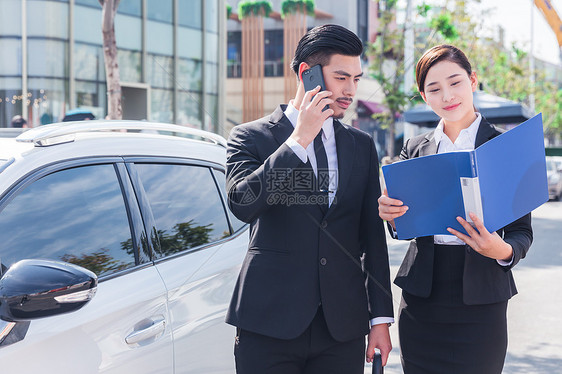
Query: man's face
column 341, row 75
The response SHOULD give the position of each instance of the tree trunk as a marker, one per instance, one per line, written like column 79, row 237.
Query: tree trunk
column 109, row 8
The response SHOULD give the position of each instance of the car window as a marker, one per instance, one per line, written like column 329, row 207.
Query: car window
column 221, row 181
column 75, row 215
column 185, row 204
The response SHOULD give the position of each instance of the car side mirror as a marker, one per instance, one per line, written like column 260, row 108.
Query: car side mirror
column 32, row 289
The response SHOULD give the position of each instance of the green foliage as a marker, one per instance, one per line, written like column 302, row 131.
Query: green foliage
column 442, row 23
column 293, row 6
column 423, row 9
column 228, row 11
column 246, row 8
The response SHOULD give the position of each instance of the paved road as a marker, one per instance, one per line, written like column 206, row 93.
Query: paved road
column 534, row 315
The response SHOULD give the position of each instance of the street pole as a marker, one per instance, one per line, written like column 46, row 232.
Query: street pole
column 408, row 49
column 532, row 61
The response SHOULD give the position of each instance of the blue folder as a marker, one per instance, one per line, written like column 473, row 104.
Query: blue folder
column 500, row 181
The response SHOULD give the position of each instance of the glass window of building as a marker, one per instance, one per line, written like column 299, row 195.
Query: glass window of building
column 160, row 10
column 47, row 19
column 10, row 18
column 47, row 58
column 211, row 114
column 189, row 109
column 189, row 43
column 10, row 100
column 10, row 63
column 128, row 32
column 212, row 15
column 161, row 105
column 212, row 47
column 211, row 79
column 160, row 71
column 87, row 61
column 87, row 25
column 130, row 69
column 189, row 75
column 91, row 3
column 47, row 100
column 189, row 13
column 131, row 7
column 159, row 38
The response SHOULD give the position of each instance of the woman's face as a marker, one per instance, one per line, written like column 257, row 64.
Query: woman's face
column 448, row 91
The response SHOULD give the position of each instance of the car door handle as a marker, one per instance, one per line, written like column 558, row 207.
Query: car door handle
column 158, row 325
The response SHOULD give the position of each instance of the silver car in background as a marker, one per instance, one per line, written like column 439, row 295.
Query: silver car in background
column 554, row 173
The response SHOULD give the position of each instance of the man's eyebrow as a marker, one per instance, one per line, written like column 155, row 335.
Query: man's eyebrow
column 449, row 77
column 346, row 74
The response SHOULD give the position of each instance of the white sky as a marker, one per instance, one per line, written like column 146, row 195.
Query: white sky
column 514, row 16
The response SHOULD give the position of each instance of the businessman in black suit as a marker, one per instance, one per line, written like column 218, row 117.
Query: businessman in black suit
column 316, row 274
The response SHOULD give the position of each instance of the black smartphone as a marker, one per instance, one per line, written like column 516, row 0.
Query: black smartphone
column 313, row 77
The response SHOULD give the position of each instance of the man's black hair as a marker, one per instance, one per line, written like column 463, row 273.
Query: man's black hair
column 321, row 42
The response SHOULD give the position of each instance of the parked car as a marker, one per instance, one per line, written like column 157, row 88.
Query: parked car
column 118, row 252
column 554, row 173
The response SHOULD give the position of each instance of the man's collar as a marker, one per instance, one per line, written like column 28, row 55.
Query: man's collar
column 292, row 114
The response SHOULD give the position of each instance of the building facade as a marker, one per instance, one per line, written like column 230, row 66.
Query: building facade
column 170, row 59
column 357, row 15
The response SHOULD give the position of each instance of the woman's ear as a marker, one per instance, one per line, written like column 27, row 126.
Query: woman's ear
column 473, row 81
column 302, row 67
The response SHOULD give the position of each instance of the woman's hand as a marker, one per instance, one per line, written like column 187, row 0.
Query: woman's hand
column 487, row 244
column 389, row 209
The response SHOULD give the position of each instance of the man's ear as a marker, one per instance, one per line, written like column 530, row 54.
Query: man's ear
column 302, row 67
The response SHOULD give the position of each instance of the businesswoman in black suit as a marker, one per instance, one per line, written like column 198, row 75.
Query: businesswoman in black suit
column 455, row 288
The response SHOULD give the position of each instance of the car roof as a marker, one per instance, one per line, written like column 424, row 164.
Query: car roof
column 74, row 140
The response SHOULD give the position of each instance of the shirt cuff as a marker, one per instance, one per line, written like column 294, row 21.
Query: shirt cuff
column 505, row 263
column 381, row 320
column 298, row 149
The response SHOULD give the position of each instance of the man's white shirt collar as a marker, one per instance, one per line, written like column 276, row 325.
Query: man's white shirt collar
column 327, row 127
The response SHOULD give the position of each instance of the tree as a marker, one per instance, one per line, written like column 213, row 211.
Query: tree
column 387, row 62
column 109, row 9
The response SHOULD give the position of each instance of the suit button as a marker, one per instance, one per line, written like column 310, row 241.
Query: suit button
column 324, row 224
column 323, row 261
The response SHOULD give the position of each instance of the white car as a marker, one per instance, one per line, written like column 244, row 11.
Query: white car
column 142, row 207
column 554, row 173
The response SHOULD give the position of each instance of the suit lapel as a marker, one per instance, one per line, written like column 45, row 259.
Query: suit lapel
column 280, row 126
column 428, row 145
column 485, row 132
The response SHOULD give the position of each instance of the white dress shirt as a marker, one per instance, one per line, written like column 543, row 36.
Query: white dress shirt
column 329, row 140
column 464, row 142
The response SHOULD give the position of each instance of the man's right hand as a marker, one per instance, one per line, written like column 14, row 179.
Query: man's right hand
column 389, row 209
column 311, row 117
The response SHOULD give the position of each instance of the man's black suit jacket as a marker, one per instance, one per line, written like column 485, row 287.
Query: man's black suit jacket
column 300, row 256
column 484, row 280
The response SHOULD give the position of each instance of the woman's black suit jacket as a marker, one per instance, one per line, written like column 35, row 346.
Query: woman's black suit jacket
column 484, row 280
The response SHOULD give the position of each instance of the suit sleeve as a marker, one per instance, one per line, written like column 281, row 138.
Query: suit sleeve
column 373, row 240
column 250, row 177
column 519, row 234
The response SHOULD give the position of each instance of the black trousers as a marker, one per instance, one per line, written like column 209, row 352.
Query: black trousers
column 442, row 335
column 313, row 352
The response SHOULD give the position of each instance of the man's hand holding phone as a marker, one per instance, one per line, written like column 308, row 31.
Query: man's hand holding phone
column 314, row 107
